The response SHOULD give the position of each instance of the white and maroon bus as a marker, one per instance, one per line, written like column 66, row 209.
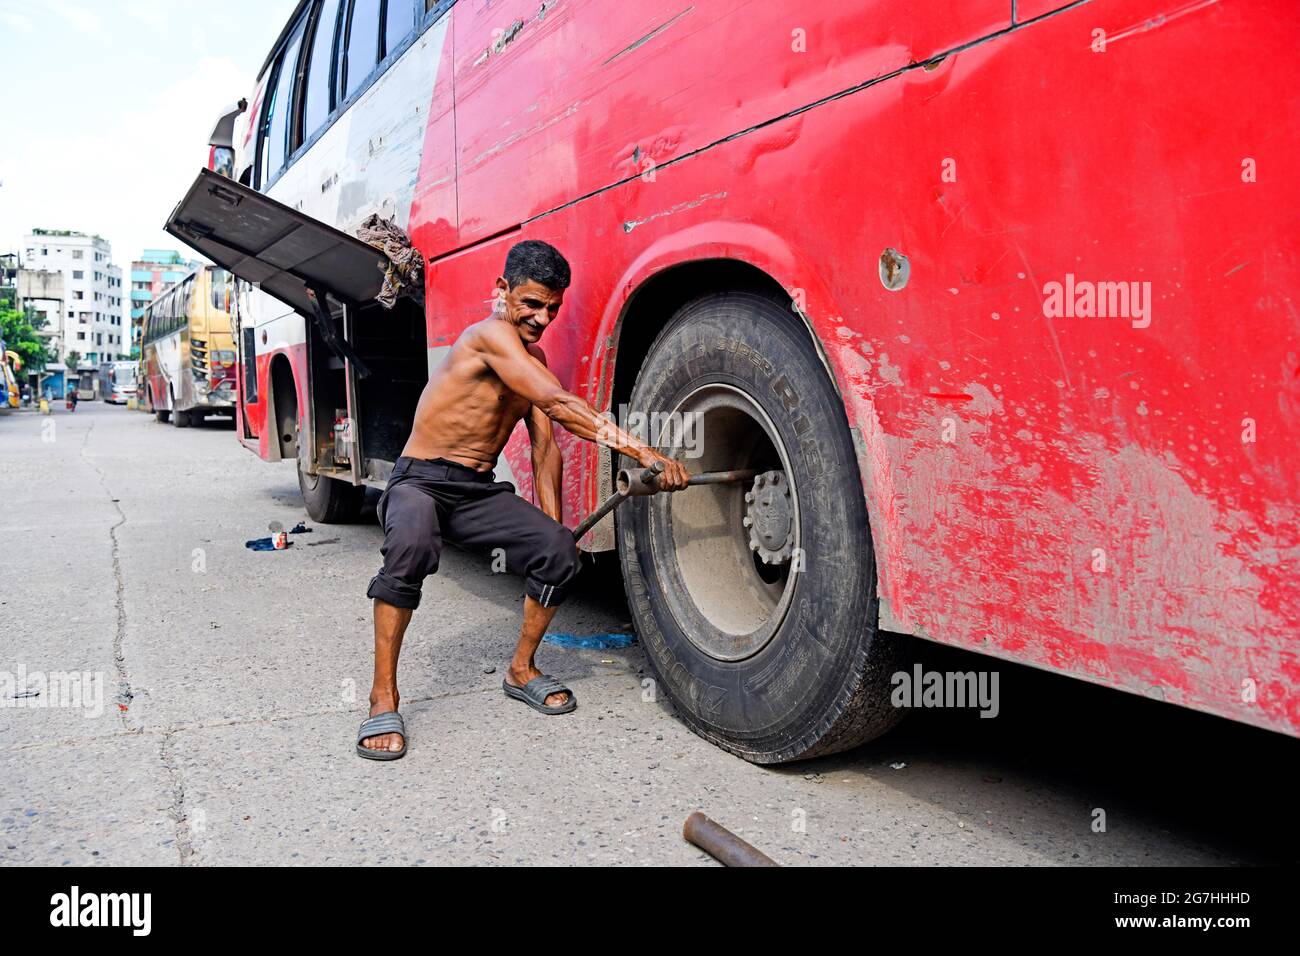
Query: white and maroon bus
column 999, row 297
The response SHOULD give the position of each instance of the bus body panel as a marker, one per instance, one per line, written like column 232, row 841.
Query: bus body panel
column 368, row 161
column 286, row 336
column 1094, row 510
column 170, row 388
column 579, row 95
column 1108, row 497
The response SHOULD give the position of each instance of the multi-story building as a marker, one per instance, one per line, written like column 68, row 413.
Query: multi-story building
column 92, row 321
column 43, row 291
column 153, row 272
column 10, row 263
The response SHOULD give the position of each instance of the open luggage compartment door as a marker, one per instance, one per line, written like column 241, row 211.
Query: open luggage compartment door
column 332, row 279
column 279, row 250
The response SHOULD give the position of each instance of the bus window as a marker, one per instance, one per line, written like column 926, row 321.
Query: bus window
column 317, row 104
column 219, row 286
column 363, row 44
column 276, row 138
column 399, row 20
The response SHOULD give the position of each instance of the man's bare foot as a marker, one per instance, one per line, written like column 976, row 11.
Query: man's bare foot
column 518, row 677
column 380, row 704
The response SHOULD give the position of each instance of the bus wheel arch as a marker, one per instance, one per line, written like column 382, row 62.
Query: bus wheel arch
column 284, row 410
column 327, row 500
column 160, row 414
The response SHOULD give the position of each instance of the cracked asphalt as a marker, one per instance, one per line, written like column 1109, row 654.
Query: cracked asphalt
column 233, row 683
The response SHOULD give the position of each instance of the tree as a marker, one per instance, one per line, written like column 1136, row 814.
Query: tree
column 71, row 360
column 18, row 330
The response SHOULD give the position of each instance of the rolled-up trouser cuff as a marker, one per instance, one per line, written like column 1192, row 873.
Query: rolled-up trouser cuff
column 547, row 595
column 392, row 591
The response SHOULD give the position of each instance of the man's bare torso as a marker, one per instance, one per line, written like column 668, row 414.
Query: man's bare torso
column 466, row 413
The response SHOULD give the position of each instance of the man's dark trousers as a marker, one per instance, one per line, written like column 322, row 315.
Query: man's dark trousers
column 427, row 501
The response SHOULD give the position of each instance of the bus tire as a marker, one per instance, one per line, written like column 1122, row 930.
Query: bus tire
column 772, row 662
column 181, row 419
column 328, row 500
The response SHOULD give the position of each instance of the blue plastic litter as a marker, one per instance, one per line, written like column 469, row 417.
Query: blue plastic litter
column 260, row 544
column 594, row 642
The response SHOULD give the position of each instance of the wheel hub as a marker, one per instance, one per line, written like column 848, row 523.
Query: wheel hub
column 769, row 516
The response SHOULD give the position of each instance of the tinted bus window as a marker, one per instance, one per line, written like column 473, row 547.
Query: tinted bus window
column 275, row 148
column 363, row 44
column 219, row 280
column 317, row 105
column 399, row 20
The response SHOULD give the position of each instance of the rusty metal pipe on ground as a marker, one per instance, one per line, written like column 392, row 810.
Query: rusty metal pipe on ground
column 643, row 481
column 721, row 844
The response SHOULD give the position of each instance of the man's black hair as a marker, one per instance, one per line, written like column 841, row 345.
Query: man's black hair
column 539, row 261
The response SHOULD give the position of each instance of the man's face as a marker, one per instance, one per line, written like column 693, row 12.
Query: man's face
column 530, row 307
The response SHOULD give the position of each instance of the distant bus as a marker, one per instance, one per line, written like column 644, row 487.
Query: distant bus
column 187, row 354
column 117, row 381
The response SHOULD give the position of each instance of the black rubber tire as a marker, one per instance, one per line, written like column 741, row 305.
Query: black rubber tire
column 822, row 683
column 328, row 500
column 181, row 419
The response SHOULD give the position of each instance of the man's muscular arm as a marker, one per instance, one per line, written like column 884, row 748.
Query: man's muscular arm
column 527, row 377
column 548, row 464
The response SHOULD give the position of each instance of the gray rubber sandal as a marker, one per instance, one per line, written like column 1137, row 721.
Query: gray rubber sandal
column 389, row 722
column 535, row 692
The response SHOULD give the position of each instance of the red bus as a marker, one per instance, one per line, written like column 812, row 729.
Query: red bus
column 998, row 296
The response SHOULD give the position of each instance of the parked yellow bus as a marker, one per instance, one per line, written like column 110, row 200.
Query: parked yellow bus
column 10, row 364
column 186, row 349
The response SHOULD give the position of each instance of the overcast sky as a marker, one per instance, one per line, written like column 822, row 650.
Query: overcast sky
column 106, row 107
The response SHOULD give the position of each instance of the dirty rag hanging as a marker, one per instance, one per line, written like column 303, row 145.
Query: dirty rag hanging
column 404, row 274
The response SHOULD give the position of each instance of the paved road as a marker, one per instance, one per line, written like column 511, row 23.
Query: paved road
column 234, row 682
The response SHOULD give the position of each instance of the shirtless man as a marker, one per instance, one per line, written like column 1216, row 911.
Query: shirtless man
column 443, row 485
